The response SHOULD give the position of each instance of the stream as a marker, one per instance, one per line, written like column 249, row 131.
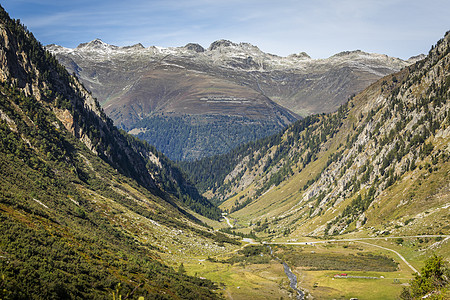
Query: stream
column 291, row 276
column 293, row 281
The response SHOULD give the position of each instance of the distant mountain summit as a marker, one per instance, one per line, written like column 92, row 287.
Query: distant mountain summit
column 96, row 44
column 221, row 44
column 195, row 47
column 225, row 95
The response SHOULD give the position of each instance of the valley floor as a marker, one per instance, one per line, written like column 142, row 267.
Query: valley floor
column 363, row 267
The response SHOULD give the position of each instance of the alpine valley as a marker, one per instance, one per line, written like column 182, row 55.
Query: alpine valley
column 190, row 102
column 351, row 202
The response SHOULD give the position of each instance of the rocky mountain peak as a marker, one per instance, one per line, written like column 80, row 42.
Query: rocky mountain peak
column 53, row 47
column 417, row 57
column 221, row 44
column 301, row 55
column 194, row 47
column 348, row 53
column 96, row 44
column 137, row 46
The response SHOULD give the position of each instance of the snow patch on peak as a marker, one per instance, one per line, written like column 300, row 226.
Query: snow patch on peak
column 138, row 46
column 249, row 46
column 54, row 47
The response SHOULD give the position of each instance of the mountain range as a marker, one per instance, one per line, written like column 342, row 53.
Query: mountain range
column 208, row 101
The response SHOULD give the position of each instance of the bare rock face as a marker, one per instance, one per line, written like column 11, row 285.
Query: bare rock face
column 228, row 79
column 220, row 44
column 195, row 47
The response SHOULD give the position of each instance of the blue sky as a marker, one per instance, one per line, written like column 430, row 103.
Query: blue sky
column 321, row 28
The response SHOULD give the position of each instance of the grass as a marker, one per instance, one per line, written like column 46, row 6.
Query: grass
column 323, row 285
column 279, row 199
column 242, row 278
column 338, row 261
column 244, row 281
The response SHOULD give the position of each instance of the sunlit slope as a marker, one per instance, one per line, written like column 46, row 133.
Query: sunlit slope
column 374, row 165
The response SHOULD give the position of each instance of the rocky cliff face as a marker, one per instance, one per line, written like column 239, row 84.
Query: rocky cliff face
column 134, row 84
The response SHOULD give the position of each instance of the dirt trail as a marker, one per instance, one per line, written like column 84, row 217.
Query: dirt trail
column 228, row 221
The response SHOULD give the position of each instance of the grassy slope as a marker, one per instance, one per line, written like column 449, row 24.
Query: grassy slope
column 84, row 213
column 72, row 225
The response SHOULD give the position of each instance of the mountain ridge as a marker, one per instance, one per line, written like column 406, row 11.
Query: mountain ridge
column 136, row 85
column 99, row 44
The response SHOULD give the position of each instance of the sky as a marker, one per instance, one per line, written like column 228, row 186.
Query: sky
column 321, row 28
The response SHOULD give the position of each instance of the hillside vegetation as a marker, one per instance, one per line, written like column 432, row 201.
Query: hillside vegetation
column 89, row 211
column 86, row 211
column 187, row 137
